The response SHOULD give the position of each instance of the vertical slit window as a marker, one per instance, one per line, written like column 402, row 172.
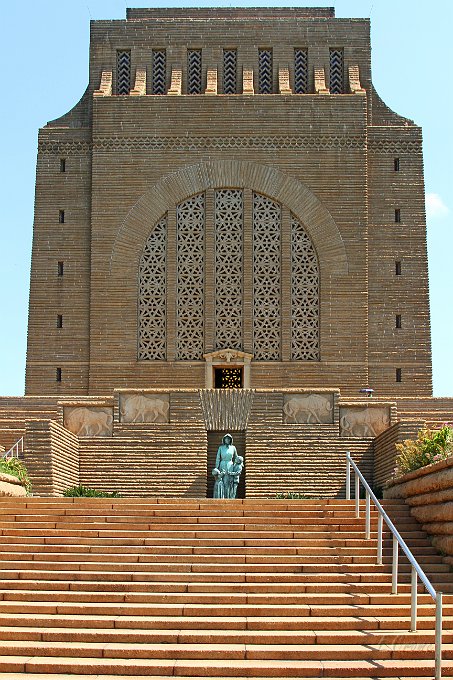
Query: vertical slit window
column 397, row 268
column 62, row 164
column 159, row 72
column 265, row 71
column 60, row 268
column 300, row 71
column 229, row 71
column 61, row 216
column 397, row 215
column 336, row 81
column 396, row 164
column 194, row 72
column 59, row 321
column 123, row 72
column 398, row 321
column 58, row 375
column 399, row 375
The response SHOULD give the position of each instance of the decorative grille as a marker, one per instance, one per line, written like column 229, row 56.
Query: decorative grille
column 152, row 306
column 194, row 72
column 304, row 296
column 336, row 81
column 300, row 71
column 190, row 279
column 266, row 279
column 229, row 71
column 228, row 222
column 265, row 72
column 159, row 73
column 123, row 72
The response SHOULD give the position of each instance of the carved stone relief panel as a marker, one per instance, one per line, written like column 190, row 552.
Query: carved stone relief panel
column 152, row 301
column 366, row 421
column 144, row 408
column 228, row 222
column 89, row 421
column 308, row 409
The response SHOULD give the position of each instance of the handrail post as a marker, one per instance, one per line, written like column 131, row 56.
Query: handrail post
column 380, row 522
column 413, row 599
column 357, row 495
column 395, row 566
column 438, row 643
column 368, row 518
column 348, row 477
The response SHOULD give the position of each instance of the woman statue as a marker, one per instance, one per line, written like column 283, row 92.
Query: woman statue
column 226, row 457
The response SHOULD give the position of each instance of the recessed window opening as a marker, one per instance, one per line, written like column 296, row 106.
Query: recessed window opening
column 229, row 71
column 194, row 72
column 62, row 164
column 398, row 321
column 59, row 321
column 396, row 164
column 336, row 79
column 123, row 72
column 265, row 70
column 159, row 72
column 399, row 375
column 61, row 216
column 60, row 268
column 300, row 71
column 397, row 215
column 397, row 268
column 58, row 375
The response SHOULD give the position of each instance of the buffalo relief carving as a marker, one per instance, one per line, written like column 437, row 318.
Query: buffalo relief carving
column 363, row 421
column 144, row 408
column 308, row 408
column 89, row 421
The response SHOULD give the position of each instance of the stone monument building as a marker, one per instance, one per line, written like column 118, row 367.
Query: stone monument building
column 229, row 235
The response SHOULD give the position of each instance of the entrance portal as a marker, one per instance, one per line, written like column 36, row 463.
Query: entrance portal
column 228, row 378
column 214, row 441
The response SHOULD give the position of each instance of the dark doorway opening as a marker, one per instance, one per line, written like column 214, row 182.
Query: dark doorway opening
column 214, row 441
column 228, row 378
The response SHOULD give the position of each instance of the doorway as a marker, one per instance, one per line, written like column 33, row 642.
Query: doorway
column 214, row 441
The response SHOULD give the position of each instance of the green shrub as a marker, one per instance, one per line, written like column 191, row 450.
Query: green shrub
column 85, row 492
column 431, row 446
column 15, row 467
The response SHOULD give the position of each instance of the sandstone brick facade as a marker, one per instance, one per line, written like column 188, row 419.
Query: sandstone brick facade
column 345, row 166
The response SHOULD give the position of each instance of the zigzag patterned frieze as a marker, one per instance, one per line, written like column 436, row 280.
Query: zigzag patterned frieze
column 318, row 142
column 274, row 142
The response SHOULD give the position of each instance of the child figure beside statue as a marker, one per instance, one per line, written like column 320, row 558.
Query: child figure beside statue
column 228, row 468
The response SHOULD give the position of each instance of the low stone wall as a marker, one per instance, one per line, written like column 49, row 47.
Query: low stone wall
column 429, row 493
column 385, row 451
column 11, row 486
column 51, row 457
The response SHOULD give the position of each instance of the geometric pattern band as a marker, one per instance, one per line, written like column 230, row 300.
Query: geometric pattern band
column 227, row 225
column 152, row 295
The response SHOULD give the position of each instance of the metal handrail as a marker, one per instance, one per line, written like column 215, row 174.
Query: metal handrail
column 15, row 450
column 397, row 542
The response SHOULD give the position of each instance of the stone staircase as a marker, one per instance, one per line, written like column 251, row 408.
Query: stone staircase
column 147, row 588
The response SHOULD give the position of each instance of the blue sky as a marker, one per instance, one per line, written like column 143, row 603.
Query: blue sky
column 45, row 56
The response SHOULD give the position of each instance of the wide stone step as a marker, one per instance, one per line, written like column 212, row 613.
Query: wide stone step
column 221, row 667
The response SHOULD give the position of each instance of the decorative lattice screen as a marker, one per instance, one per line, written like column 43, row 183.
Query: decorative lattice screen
column 264, row 71
column 190, row 279
column 194, row 72
column 152, row 295
column 123, row 72
column 300, row 71
column 159, row 73
column 304, row 296
column 336, row 80
column 266, row 279
column 228, row 220
column 229, row 71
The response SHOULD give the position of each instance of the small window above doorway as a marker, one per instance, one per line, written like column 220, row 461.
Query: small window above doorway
column 228, row 378
column 228, row 369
